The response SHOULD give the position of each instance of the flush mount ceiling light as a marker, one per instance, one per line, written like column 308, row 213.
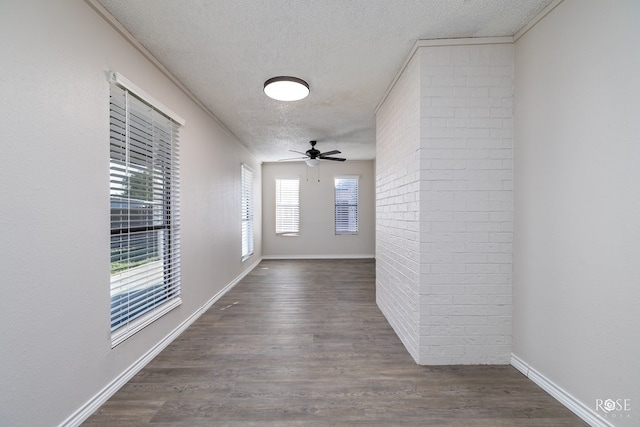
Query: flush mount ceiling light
column 286, row 88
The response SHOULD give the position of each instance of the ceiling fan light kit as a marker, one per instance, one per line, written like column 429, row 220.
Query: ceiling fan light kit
column 286, row 88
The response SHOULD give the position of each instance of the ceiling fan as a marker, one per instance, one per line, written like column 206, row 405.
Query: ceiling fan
column 313, row 156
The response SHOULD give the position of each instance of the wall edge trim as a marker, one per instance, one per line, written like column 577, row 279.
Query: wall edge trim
column 585, row 413
column 94, row 403
column 320, row 256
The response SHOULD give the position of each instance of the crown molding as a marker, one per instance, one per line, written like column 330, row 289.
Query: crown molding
column 547, row 10
column 120, row 29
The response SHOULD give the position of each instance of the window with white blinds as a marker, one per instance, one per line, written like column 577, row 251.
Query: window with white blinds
column 247, row 211
column 145, row 211
column 287, row 207
column 346, row 205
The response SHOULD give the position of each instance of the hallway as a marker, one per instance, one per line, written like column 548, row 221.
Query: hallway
column 302, row 343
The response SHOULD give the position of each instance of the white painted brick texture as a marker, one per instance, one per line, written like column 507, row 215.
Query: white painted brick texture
column 466, row 204
column 398, row 208
column 444, row 204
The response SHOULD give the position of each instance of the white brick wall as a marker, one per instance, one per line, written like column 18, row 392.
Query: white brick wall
column 451, row 221
column 398, row 209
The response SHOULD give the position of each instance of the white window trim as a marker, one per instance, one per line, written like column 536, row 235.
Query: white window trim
column 131, row 87
column 128, row 329
column 289, row 233
column 251, row 242
column 346, row 233
column 120, row 335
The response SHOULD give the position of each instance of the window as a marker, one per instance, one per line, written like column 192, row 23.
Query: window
column 287, row 207
column 145, row 216
column 247, row 211
column 346, row 205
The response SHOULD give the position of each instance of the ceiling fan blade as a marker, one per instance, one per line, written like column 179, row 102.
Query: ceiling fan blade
column 299, row 152
column 293, row 159
column 339, row 159
column 329, row 153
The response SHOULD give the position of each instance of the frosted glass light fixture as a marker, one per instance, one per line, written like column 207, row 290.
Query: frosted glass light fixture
column 286, row 88
column 312, row 162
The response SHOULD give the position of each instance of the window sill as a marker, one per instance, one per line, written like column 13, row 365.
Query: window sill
column 120, row 335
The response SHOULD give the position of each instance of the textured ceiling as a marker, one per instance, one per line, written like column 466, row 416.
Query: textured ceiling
column 347, row 50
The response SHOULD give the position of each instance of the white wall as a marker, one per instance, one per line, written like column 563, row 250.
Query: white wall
column 56, row 350
column 577, row 202
column 317, row 236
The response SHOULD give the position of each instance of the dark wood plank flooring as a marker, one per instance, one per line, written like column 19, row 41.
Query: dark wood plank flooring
column 302, row 343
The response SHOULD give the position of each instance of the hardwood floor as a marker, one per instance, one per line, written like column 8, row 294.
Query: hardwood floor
column 302, row 343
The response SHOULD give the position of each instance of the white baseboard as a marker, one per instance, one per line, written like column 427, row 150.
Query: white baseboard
column 348, row 256
column 84, row 412
column 587, row 414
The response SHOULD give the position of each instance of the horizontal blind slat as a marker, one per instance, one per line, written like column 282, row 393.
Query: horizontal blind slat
column 144, row 188
column 287, row 206
column 246, row 207
column 346, row 205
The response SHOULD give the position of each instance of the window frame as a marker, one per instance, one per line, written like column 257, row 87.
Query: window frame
column 145, row 209
column 350, row 226
column 283, row 227
column 247, row 211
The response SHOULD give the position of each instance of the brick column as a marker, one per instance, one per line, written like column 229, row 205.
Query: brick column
column 454, row 306
column 466, row 203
